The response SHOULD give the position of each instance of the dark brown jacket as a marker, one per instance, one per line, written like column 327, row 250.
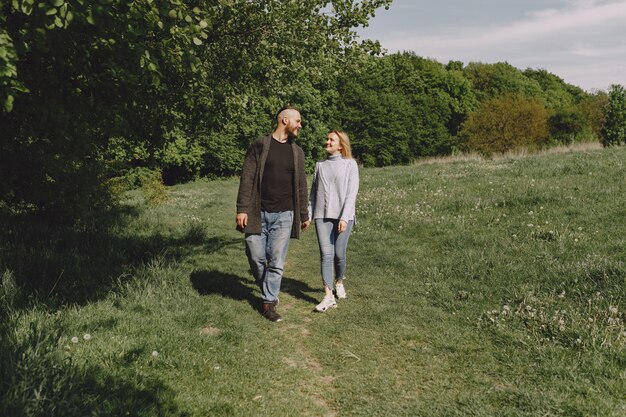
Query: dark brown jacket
column 249, row 195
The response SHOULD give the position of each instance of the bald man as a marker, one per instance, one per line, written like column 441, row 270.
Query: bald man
column 272, row 204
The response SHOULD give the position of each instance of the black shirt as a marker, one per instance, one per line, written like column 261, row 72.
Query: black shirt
column 277, row 183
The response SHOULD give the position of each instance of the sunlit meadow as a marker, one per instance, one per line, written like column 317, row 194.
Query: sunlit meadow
column 483, row 288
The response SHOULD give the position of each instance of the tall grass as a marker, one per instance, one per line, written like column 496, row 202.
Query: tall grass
column 474, row 288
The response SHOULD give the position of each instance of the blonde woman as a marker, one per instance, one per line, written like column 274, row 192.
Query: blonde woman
column 332, row 207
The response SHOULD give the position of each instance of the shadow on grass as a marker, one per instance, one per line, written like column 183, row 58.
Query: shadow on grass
column 299, row 290
column 61, row 264
column 36, row 365
column 227, row 285
column 239, row 288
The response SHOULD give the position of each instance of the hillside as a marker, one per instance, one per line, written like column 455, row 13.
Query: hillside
column 474, row 288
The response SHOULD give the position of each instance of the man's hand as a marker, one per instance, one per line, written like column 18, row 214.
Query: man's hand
column 305, row 225
column 242, row 220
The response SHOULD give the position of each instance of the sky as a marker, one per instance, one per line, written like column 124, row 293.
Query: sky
column 581, row 41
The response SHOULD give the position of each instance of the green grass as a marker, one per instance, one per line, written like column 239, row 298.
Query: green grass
column 483, row 288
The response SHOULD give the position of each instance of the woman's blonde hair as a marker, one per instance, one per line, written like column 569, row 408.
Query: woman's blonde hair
column 344, row 141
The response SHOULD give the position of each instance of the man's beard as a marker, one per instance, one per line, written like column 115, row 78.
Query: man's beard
column 292, row 133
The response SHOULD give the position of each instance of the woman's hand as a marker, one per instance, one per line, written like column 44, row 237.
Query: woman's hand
column 342, row 226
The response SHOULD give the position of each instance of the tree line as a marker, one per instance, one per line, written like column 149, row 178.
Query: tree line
column 97, row 90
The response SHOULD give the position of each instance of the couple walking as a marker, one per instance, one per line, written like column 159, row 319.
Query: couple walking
column 273, row 207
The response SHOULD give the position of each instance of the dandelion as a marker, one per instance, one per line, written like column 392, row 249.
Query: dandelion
column 86, row 336
column 74, row 339
column 613, row 310
column 155, row 353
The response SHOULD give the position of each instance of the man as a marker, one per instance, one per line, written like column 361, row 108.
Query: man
column 272, row 204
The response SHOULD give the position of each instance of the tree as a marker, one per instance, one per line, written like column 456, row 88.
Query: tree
column 614, row 132
column 182, row 85
column 492, row 80
column 505, row 123
column 564, row 126
column 402, row 106
column 593, row 110
column 373, row 114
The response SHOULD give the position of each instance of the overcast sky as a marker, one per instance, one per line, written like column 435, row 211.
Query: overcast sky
column 581, row 41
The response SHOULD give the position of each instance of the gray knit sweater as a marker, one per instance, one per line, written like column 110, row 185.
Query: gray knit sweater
column 334, row 189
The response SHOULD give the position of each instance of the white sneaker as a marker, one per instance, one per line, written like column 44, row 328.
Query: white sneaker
column 327, row 302
column 340, row 290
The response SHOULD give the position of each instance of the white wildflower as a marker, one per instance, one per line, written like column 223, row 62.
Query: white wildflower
column 74, row 339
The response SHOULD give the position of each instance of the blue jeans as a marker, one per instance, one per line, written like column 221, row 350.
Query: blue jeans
column 333, row 246
column 267, row 252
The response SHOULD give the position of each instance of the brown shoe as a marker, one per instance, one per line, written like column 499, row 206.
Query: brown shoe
column 269, row 312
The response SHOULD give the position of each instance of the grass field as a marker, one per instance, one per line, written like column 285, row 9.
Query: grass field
column 475, row 288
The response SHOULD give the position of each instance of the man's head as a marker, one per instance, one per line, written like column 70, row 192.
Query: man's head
column 289, row 121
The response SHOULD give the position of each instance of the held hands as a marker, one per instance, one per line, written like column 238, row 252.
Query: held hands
column 305, row 225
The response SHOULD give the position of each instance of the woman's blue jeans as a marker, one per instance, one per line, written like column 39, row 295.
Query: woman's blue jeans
column 333, row 246
column 267, row 252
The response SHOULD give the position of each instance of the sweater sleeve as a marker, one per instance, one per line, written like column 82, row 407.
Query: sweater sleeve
column 349, row 207
column 302, row 189
column 313, row 194
column 246, row 182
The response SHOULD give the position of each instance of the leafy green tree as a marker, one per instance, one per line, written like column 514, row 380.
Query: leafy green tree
column 402, row 106
column 614, row 132
column 492, row 80
column 557, row 94
column 375, row 117
column 593, row 110
column 180, row 85
column 441, row 100
column 504, row 123
column 564, row 126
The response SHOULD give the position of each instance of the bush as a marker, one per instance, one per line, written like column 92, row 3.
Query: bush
column 614, row 132
column 505, row 123
column 565, row 126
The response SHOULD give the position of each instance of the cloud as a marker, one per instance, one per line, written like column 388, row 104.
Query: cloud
column 538, row 25
column 549, row 38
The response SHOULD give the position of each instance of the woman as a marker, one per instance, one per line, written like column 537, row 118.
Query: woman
column 332, row 206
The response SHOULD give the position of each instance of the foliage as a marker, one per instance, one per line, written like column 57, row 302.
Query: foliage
column 402, row 106
column 91, row 72
column 593, row 109
column 151, row 81
column 493, row 80
column 92, row 90
column 558, row 95
column 614, row 132
column 373, row 114
column 564, row 126
column 506, row 122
